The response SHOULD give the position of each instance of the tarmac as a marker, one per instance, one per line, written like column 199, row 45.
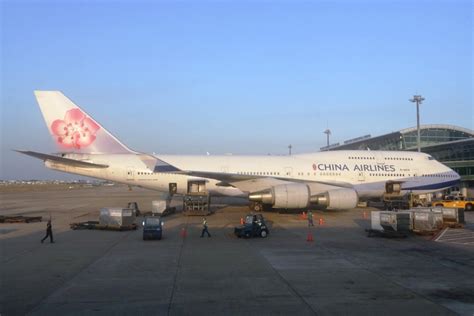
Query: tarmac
column 109, row 272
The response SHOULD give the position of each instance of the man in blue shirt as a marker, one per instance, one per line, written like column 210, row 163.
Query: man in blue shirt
column 204, row 228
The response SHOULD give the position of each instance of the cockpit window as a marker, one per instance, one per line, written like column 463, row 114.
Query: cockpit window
column 430, row 158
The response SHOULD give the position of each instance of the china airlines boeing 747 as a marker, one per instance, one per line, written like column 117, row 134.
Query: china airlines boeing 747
column 333, row 179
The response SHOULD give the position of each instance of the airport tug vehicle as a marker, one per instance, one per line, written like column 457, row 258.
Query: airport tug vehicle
column 453, row 201
column 254, row 226
column 152, row 228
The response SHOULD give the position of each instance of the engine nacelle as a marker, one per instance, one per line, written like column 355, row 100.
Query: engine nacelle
column 338, row 199
column 294, row 195
column 298, row 195
column 291, row 196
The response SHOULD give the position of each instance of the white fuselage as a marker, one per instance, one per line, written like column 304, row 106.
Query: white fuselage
column 366, row 171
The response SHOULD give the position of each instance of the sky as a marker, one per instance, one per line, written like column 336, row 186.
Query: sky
column 240, row 77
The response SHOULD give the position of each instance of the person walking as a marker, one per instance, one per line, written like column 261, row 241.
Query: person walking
column 310, row 218
column 49, row 232
column 204, row 228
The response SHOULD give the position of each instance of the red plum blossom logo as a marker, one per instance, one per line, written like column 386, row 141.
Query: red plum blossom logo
column 76, row 130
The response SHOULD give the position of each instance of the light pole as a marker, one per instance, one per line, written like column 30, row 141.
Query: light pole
column 327, row 132
column 418, row 99
column 289, row 149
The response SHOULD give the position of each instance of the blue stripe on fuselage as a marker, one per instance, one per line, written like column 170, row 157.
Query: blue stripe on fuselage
column 433, row 186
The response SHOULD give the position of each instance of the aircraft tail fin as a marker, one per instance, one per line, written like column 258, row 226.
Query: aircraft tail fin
column 73, row 129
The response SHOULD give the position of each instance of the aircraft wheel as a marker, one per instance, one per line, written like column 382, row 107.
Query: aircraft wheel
column 468, row 207
column 263, row 234
column 258, row 207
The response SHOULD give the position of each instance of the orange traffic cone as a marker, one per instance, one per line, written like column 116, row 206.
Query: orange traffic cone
column 321, row 221
column 183, row 232
column 304, row 216
column 310, row 236
column 241, row 221
column 364, row 214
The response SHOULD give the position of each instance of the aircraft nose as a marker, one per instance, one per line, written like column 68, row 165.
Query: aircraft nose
column 455, row 175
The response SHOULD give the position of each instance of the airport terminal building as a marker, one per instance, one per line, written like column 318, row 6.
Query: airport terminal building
column 451, row 145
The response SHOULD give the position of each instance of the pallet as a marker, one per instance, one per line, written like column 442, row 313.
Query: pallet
column 426, row 232
column 84, row 225
column 96, row 226
column 453, row 225
column 168, row 211
column 20, row 219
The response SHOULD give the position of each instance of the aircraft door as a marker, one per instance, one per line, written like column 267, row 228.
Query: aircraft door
column 288, row 171
column 379, row 157
column 416, row 173
column 172, row 188
column 197, row 186
column 129, row 174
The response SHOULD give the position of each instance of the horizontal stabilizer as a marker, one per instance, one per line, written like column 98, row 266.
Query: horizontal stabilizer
column 66, row 161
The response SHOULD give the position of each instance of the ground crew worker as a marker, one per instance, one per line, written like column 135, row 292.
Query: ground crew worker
column 310, row 218
column 204, row 228
column 49, row 232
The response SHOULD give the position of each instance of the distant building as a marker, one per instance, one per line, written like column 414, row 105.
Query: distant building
column 451, row 145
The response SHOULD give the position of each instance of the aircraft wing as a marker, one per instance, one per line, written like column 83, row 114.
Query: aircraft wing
column 224, row 177
column 252, row 183
column 66, row 161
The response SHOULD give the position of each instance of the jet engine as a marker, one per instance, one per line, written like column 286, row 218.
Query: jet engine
column 298, row 195
column 337, row 199
column 294, row 195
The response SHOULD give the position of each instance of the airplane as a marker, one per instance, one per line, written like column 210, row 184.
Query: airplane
column 335, row 180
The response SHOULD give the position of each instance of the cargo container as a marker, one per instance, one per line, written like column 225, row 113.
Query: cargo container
column 158, row 207
column 410, row 215
column 426, row 220
column 134, row 206
column 395, row 221
column 117, row 216
column 452, row 215
column 375, row 220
